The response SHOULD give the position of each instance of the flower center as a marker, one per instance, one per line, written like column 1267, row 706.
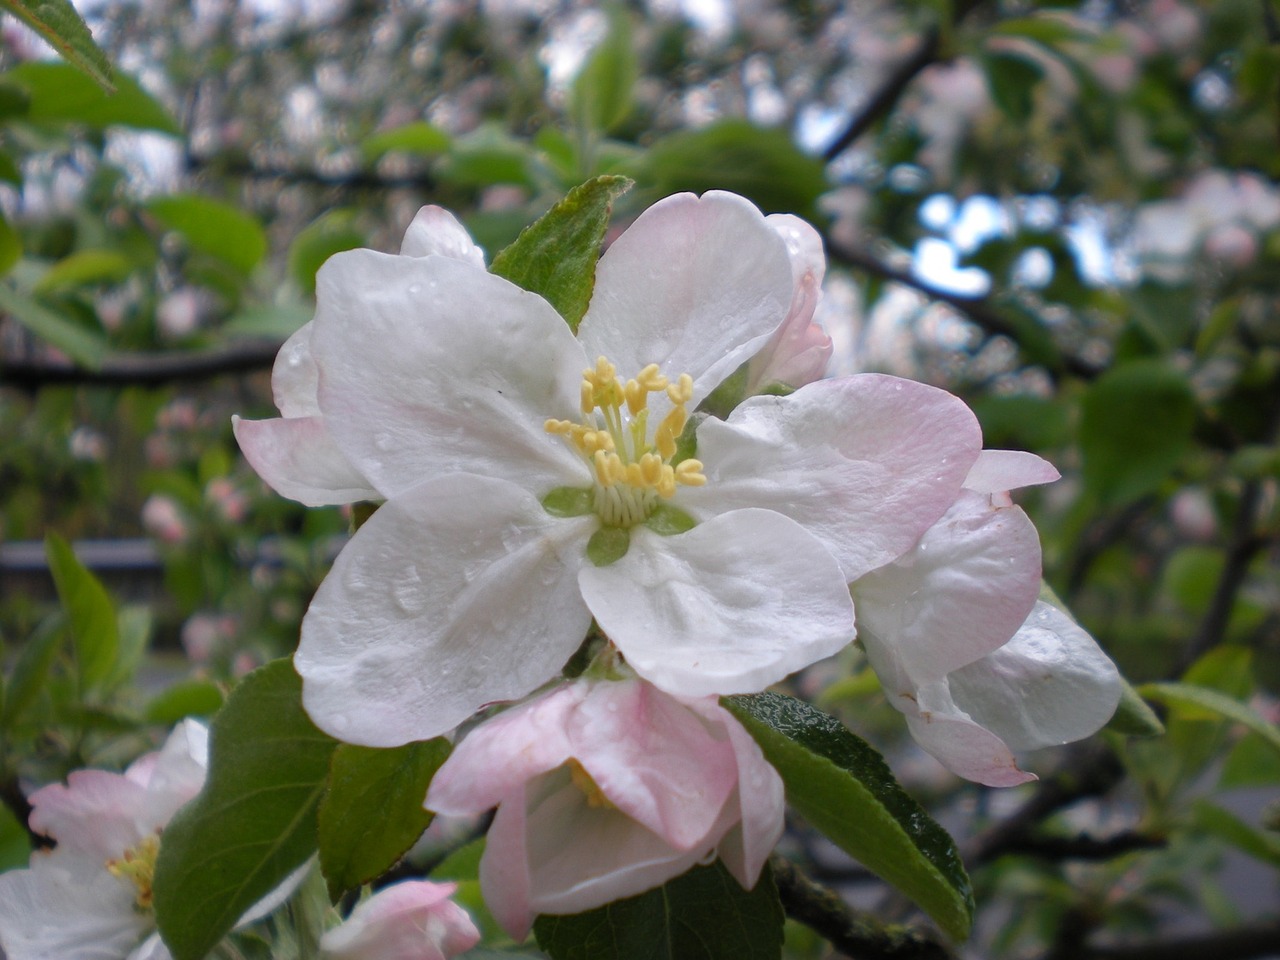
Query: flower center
column 632, row 474
column 138, row 866
column 584, row 782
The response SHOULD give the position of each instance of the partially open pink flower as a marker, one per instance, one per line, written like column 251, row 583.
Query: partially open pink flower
column 90, row 897
column 413, row 920
column 963, row 649
column 606, row 789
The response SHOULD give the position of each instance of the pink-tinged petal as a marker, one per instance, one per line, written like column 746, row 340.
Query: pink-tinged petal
column 967, row 750
column 411, row 920
column 798, row 353
column 696, row 285
column 735, row 604
column 495, row 759
column 67, row 907
column 298, row 459
column 458, row 593
column 435, row 231
column 960, row 593
column 1051, row 684
column 177, row 773
column 504, row 868
column 654, row 759
column 431, row 366
column 294, row 378
column 97, row 813
column 582, row 857
column 152, row 948
column 866, row 463
column 759, row 801
column 999, row 471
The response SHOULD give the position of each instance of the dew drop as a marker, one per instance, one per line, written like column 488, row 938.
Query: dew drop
column 415, row 289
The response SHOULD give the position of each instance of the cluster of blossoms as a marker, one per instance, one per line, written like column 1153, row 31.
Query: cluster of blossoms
column 532, row 480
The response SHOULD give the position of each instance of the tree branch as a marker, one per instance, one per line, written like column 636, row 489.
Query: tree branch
column 1082, row 846
column 858, row 935
column 143, row 369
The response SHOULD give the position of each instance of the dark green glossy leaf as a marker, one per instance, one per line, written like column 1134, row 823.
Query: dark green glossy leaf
column 845, row 789
column 62, row 94
column 254, row 822
column 62, row 28
column 372, row 812
column 214, row 227
column 95, row 631
column 764, row 165
column 701, row 915
column 556, row 256
column 1135, row 426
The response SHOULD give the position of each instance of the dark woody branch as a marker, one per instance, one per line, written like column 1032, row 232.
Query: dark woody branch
column 142, row 369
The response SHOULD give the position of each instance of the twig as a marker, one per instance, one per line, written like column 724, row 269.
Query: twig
column 886, row 97
column 1090, row 769
column 143, row 369
column 858, row 935
column 1082, row 846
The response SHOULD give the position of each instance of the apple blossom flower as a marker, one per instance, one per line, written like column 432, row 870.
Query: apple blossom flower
column 965, row 650
column 605, row 789
column 530, row 487
column 90, row 897
column 412, row 920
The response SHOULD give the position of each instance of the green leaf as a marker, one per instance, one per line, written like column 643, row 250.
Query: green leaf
column 187, row 698
column 95, row 631
column 419, row 137
column 31, row 668
column 63, row 29
column 214, row 227
column 608, row 545
column 601, row 96
column 1251, row 763
column 556, row 256
column 1198, row 700
column 764, row 165
column 1012, row 81
column 15, row 844
column 133, row 626
column 254, row 822
column 10, row 246
column 845, row 789
column 62, row 94
column 328, row 234
column 269, row 321
column 1227, row 826
column 1135, row 426
column 701, row 915
column 569, row 502
column 356, row 844
column 1133, row 718
column 86, row 347
column 85, row 267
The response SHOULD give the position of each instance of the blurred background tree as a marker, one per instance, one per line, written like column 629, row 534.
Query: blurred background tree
column 1065, row 212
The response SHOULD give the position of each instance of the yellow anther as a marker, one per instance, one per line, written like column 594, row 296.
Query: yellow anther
column 689, row 472
column 634, row 475
column 600, row 461
column 652, row 380
column 588, row 396
column 637, row 396
column 138, row 866
column 651, row 469
column 666, row 485
column 562, row 427
column 605, row 371
column 587, row 784
column 681, row 391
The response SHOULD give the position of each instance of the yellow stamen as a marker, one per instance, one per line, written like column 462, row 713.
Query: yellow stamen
column 138, row 866
column 584, row 782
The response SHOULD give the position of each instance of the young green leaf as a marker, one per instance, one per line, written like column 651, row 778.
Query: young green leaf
column 86, row 347
column 94, row 628
column 601, row 95
column 62, row 28
column 372, row 812
column 846, row 790
column 1199, row 699
column 214, row 227
column 31, row 668
column 701, row 915
column 254, row 822
column 556, row 256
column 62, row 94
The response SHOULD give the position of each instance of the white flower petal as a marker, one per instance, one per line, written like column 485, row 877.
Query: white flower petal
column 298, row 459
column 732, row 606
column 293, row 376
column 960, row 593
column 177, row 773
column 152, row 948
column 1051, row 684
column 456, row 594
column 97, row 813
column 865, row 463
column 67, row 908
column 410, row 920
column 431, row 366
column 695, row 285
column 998, row 471
column 967, row 750
column 436, row 231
